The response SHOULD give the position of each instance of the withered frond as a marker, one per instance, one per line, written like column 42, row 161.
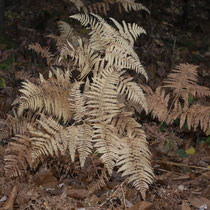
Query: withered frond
column 55, row 140
column 133, row 92
column 107, row 143
column 99, row 8
column 129, row 5
column 65, row 29
column 104, row 6
column 83, row 56
column 77, row 101
column 103, row 96
column 184, row 80
column 17, row 156
column 194, row 116
column 51, row 97
column 17, row 125
column 45, row 53
column 117, row 45
column 134, row 157
column 85, row 144
column 157, row 102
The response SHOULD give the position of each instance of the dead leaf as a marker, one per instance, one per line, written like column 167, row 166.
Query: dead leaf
column 46, row 180
column 158, row 42
column 185, row 206
column 10, row 201
column 78, row 193
column 198, row 202
column 142, row 205
column 152, row 70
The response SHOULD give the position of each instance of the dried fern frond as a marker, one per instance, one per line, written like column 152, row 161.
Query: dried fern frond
column 116, row 44
column 50, row 97
column 116, row 56
column 181, row 77
column 17, row 156
column 107, row 143
column 54, row 140
column 45, row 53
column 15, row 124
column 99, row 8
column 65, row 29
column 83, row 56
column 77, row 102
column 129, row 5
column 103, row 7
column 183, row 81
column 133, row 92
column 196, row 115
column 134, row 157
column 103, row 96
column 129, row 31
column 157, row 102
column 84, row 146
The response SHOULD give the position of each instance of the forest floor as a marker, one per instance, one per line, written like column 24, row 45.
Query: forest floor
column 181, row 158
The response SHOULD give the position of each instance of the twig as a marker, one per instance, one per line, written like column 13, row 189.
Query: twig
column 119, row 187
column 181, row 164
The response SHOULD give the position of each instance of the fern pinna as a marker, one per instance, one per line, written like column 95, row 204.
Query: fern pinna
column 183, row 83
column 92, row 114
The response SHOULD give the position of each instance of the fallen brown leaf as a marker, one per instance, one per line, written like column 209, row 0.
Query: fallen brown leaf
column 10, row 201
column 142, row 205
column 46, row 181
column 198, row 202
column 185, row 206
column 78, row 193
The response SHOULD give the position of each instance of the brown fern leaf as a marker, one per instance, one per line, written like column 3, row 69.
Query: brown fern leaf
column 103, row 96
column 54, row 140
column 133, row 92
column 116, row 44
column 157, row 102
column 99, row 8
column 50, row 139
column 84, row 145
column 199, row 91
column 129, row 5
column 134, row 157
column 183, row 81
column 14, row 125
column 107, row 143
column 65, row 29
column 51, row 97
column 103, row 7
column 45, row 53
column 83, row 56
column 77, row 102
column 18, row 151
column 196, row 115
column 18, row 156
column 181, row 77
